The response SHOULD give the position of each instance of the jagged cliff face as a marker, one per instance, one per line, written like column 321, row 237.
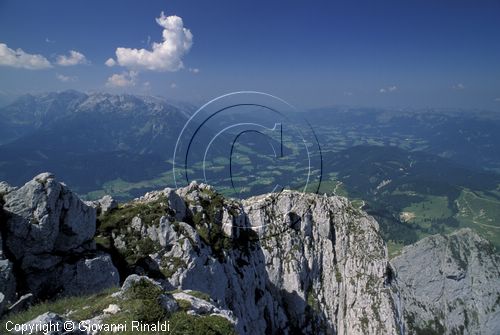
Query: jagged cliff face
column 323, row 271
column 330, row 259
column 450, row 285
column 287, row 263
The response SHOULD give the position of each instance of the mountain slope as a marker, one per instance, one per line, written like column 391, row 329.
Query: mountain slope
column 450, row 285
column 287, row 264
column 277, row 270
column 413, row 194
column 102, row 136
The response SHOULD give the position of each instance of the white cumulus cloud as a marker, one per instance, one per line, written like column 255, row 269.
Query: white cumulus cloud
column 458, row 86
column 497, row 99
column 164, row 56
column 65, row 79
column 20, row 59
column 125, row 79
column 388, row 89
column 194, row 70
column 74, row 58
column 110, row 62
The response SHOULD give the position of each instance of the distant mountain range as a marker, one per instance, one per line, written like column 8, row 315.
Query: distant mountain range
column 418, row 172
column 97, row 136
column 468, row 137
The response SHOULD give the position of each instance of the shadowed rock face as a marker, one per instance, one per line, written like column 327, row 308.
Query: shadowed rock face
column 450, row 285
column 48, row 234
column 294, row 263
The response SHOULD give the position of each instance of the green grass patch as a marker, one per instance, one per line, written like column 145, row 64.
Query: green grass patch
column 394, row 248
column 481, row 213
column 199, row 295
column 78, row 308
column 141, row 303
column 182, row 323
column 122, row 188
column 430, row 216
column 433, row 207
column 117, row 223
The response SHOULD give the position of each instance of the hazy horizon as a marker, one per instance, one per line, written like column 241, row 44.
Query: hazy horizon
column 403, row 55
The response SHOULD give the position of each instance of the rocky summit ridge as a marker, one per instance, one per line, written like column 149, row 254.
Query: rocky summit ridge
column 284, row 263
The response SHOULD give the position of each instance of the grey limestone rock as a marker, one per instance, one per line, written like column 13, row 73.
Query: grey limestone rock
column 317, row 265
column 107, row 203
column 283, row 263
column 6, row 188
column 168, row 302
column 450, row 285
column 132, row 279
column 89, row 276
column 49, row 234
column 46, row 217
column 176, row 203
column 54, row 324
column 199, row 306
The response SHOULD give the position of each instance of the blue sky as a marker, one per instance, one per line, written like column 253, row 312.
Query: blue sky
column 311, row 53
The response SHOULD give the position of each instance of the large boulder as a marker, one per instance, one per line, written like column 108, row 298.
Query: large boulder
column 89, row 276
column 198, row 306
column 133, row 279
column 176, row 203
column 165, row 300
column 45, row 217
column 107, row 203
column 48, row 234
